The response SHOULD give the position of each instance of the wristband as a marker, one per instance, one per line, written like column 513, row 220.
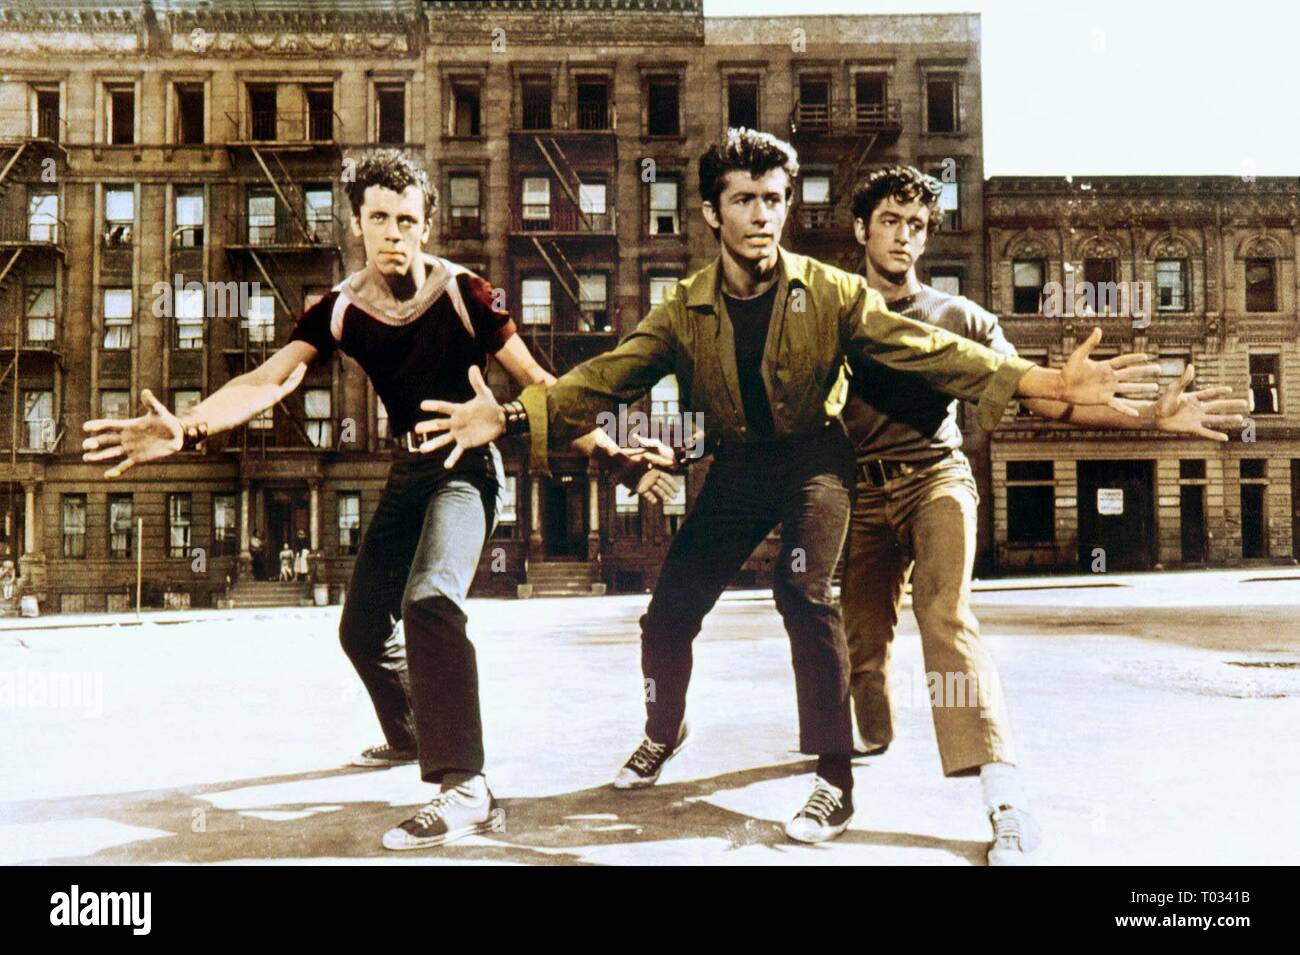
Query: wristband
column 516, row 418
column 193, row 434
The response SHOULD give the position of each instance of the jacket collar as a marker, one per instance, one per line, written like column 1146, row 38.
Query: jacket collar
column 703, row 288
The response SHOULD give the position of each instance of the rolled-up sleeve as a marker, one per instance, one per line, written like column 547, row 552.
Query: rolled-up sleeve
column 949, row 363
column 568, row 409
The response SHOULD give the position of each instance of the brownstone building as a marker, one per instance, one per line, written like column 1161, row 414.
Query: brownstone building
column 171, row 198
column 1214, row 259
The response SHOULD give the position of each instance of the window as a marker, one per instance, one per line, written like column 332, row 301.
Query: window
column 265, row 421
column 592, row 302
column 320, row 429
column 627, row 512
column 1101, row 276
column 40, row 308
column 536, row 301
column 381, row 418
column 1027, row 286
column 1031, row 502
column 1254, row 468
column 184, row 400
column 38, row 420
column 45, row 123
column 178, row 524
column 119, row 216
column 664, row 216
column 1264, row 397
column 1192, row 469
column 115, row 404
column 464, row 205
column 1260, row 288
column 537, row 203
column 318, row 203
column 320, row 113
column 536, row 104
column 814, row 108
column 665, row 399
column 946, row 279
column 949, row 217
column 508, row 516
column 590, row 202
column 662, row 114
column 941, row 104
column 465, row 109
column 189, row 318
column 118, row 316
column 119, row 525
column 593, row 105
column 659, row 286
column 225, row 521
column 74, row 525
column 1171, row 285
column 390, row 105
column 261, row 317
column 349, row 522
column 189, row 104
column 261, row 218
column 263, row 118
column 119, row 99
column 815, row 197
column 43, row 217
column 675, row 508
column 742, row 102
column 189, row 219
column 869, row 100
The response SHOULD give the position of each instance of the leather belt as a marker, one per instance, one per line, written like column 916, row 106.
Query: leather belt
column 879, row 471
column 408, row 441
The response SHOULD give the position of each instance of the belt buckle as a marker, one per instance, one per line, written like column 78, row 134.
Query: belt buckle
column 410, row 442
column 874, row 471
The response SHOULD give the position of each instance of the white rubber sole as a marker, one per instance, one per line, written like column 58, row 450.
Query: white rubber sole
column 813, row 838
column 633, row 781
column 399, row 840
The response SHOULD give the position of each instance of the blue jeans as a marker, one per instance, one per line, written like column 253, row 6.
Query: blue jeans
column 417, row 560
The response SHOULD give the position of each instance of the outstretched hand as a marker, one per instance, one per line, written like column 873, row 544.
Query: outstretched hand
column 1206, row 413
column 1110, row 382
column 639, row 469
column 153, row 435
column 470, row 424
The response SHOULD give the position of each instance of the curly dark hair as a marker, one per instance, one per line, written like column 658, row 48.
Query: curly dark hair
column 390, row 169
column 904, row 184
column 747, row 149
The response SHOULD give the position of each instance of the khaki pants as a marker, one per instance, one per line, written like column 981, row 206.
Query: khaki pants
column 925, row 522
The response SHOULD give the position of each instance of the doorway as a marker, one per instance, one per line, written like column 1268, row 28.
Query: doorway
column 1117, row 513
column 288, row 521
column 564, row 507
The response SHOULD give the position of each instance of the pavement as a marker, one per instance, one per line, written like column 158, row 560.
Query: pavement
column 1157, row 718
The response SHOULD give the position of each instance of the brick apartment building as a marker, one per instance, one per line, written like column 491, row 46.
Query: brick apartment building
column 147, row 146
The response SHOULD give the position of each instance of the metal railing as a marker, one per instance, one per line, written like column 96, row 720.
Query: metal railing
column 288, row 126
column 32, row 230
column 846, row 118
column 553, row 218
column 283, row 231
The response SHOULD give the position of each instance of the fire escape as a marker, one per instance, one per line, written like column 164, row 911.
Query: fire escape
column 32, row 239
column 845, row 137
column 284, row 230
column 573, row 226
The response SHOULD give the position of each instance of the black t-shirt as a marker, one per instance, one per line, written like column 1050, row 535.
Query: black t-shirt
column 750, row 317
column 428, row 357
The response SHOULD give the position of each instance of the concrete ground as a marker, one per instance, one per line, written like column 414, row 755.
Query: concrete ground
column 1158, row 719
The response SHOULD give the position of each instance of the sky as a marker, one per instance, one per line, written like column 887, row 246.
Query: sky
column 1121, row 87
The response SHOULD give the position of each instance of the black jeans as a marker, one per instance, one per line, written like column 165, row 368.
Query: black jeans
column 417, row 560
column 805, row 484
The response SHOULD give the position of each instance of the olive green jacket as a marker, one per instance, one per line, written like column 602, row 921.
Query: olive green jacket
column 820, row 315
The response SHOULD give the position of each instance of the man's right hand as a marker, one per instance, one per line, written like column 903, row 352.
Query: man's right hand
column 471, row 424
column 155, row 434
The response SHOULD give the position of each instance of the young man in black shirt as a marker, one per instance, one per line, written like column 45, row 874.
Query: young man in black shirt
column 416, row 324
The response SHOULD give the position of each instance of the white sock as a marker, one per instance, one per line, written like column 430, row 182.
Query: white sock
column 1001, row 785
